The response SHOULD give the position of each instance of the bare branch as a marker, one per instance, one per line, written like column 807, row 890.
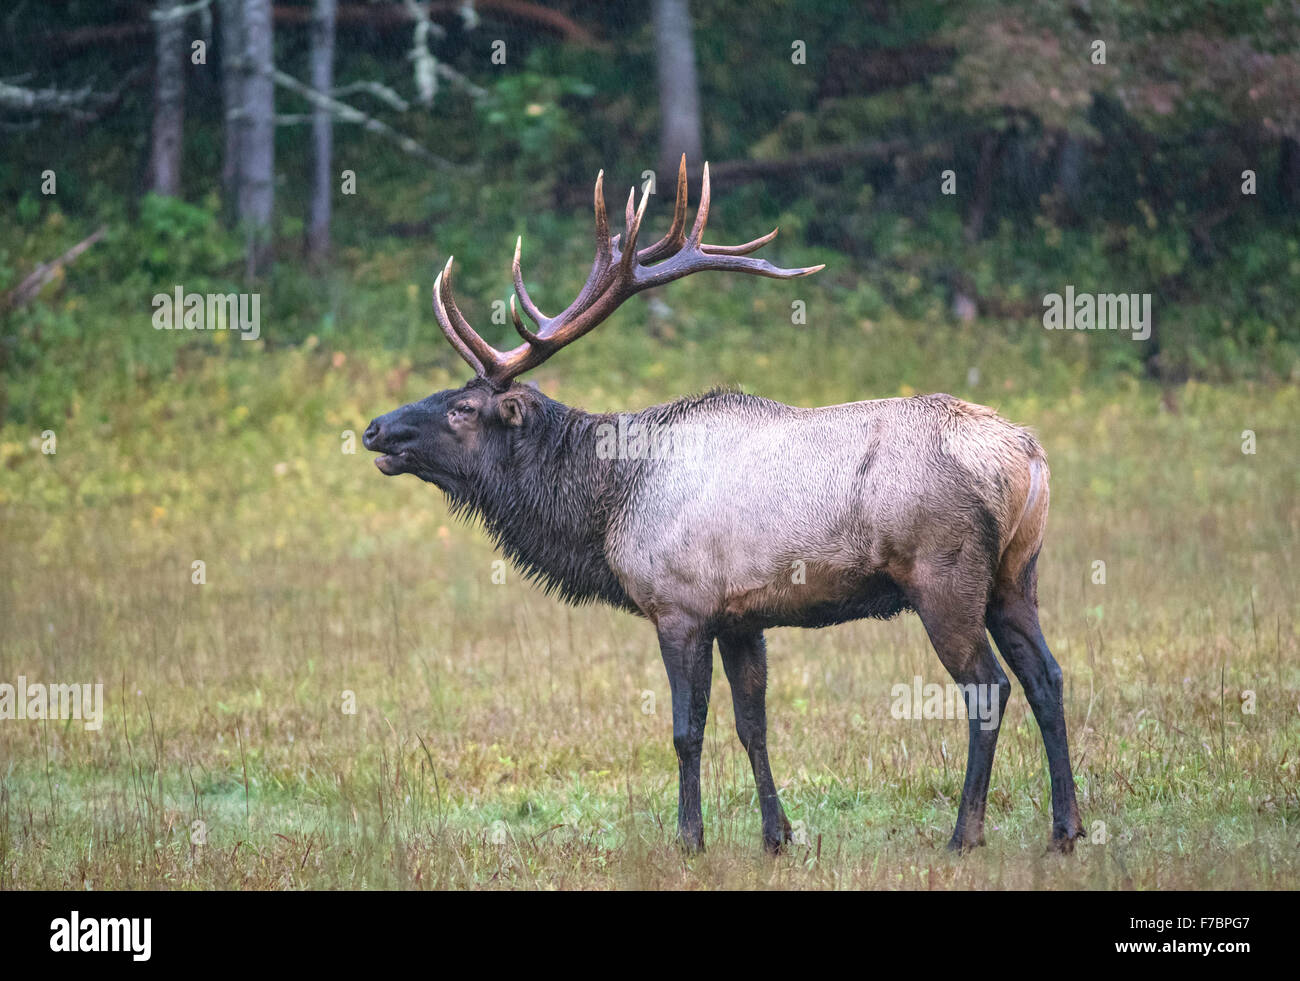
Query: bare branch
column 426, row 75
column 347, row 114
column 26, row 291
column 181, row 12
column 381, row 92
column 58, row 101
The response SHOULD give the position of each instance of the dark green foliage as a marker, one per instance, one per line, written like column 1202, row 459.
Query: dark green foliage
column 1124, row 176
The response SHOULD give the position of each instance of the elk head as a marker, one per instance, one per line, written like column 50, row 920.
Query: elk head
column 441, row 438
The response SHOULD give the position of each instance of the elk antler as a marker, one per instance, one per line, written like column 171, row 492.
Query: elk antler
column 618, row 272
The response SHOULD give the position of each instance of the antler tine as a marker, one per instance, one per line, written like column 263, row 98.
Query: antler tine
column 745, row 249
column 486, row 355
column 524, row 332
column 702, row 212
column 676, row 236
column 530, row 307
column 444, row 321
column 685, row 263
column 695, row 256
column 604, row 250
column 629, row 259
column 602, row 220
column 727, row 263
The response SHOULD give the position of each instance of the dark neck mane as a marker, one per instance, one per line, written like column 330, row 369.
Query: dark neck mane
column 548, row 502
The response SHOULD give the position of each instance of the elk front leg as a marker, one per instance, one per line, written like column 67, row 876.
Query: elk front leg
column 744, row 658
column 687, row 649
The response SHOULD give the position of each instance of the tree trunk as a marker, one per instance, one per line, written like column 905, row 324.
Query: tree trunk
column 257, row 139
column 1069, row 173
column 168, row 100
column 1288, row 176
column 679, row 95
column 232, row 56
column 322, row 130
column 990, row 155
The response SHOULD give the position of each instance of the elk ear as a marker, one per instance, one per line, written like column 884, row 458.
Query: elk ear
column 511, row 408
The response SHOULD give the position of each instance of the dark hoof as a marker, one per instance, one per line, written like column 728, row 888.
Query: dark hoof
column 774, row 844
column 691, row 844
column 1063, row 841
column 961, row 846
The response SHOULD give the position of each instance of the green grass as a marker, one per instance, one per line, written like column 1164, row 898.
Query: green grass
column 500, row 739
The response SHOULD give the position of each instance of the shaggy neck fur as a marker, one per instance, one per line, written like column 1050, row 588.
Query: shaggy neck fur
column 551, row 502
column 548, row 501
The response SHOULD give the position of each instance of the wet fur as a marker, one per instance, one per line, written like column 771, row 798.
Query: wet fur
column 779, row 516
column 559, row 511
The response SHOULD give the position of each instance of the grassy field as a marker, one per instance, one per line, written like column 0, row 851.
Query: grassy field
column 502, row 740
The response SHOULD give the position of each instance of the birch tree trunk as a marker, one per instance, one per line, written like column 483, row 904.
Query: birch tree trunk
column 168, row 99
column 679, row 96
column 257, row 137
column 322, row 130
column 232, row 57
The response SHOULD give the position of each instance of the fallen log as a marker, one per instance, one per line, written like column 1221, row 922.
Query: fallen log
column 26, row 291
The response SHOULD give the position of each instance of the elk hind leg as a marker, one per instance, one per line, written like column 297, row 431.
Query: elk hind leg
column 1013, row 621
column 955, row 625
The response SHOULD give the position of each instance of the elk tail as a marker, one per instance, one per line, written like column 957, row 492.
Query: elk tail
column 1017, row 565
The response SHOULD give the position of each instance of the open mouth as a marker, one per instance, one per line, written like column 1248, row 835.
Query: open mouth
column 391, row 463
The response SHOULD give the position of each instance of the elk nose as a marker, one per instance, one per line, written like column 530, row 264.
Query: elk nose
column 371, row 434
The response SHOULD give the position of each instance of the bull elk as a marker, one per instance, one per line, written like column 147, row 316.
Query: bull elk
column 929, row 504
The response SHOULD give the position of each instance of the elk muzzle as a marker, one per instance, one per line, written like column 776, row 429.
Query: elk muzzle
column 393, row 440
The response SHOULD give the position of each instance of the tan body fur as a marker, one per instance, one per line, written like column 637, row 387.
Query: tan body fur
column 773, row 509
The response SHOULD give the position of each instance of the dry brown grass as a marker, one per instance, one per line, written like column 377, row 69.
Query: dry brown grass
column 500, row 739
